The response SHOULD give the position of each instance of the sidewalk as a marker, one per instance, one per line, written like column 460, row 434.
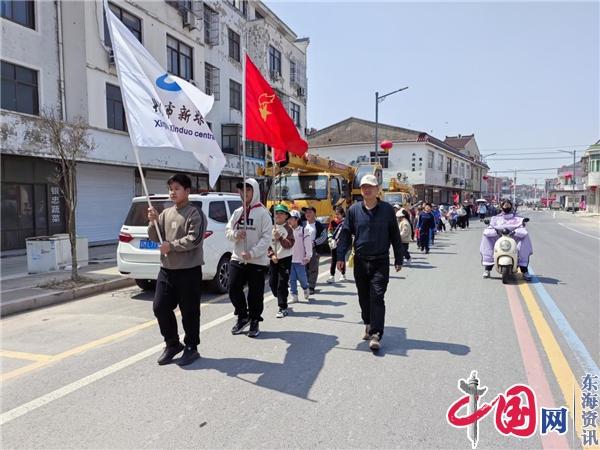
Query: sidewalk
column 20, row 291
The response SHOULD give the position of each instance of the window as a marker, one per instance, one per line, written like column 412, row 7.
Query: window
column 234, row 204
column 217, row 211
column 212, row 84
column 455, row 170
column 449, row 167
column 180, row 59
column 19, row 11
column 440, row 163
column 19, row 89
column 240, row 5
column 462, row 169
column 274, row 62
column 235, row 95
column 295, row 113
column 255, row 150
column 234, row 45
column 115, row 112
column 132, row 23
column 211, row 26
column 430, row 156
column 292, row 71
column 382, row 158
column 183, row 5
column 469, row 171
column 231, row 136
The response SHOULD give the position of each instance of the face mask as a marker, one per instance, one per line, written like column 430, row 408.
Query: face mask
column 507, row 210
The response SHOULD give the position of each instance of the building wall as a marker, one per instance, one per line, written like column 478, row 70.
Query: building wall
column 35, row 49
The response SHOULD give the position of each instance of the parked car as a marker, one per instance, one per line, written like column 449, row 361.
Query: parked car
column 139, row 258
column 555, row 206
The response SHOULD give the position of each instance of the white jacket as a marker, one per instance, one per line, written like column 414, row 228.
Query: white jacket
column 258, row 229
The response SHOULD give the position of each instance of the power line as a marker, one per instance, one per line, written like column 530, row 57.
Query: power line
column 533, row 148
column 548, row 169
column 525, row 159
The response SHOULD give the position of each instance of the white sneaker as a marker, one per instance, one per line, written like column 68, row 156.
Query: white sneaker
column 486, row 274
column 330, row 280
column 294, row 298
column 343, row 278
column 306, row 294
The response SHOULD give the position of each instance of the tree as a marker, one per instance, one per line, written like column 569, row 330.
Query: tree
column 69, row 142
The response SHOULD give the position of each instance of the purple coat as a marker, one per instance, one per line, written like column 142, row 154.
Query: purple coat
column 489, row 238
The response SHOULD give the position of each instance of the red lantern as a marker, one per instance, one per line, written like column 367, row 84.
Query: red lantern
column 485, row 177
column 386, row 145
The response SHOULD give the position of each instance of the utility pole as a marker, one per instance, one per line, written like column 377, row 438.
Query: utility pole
column 379, row 99
column 515, row 189
column 573, row 209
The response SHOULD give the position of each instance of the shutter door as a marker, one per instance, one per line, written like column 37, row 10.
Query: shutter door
column 104, row 196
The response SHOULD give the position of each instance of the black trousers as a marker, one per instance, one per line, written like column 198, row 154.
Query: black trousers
column 178, row 287
column 371, row 279
column 279, row 276
column 405, row 248
column 334, row 261
column 254, row 275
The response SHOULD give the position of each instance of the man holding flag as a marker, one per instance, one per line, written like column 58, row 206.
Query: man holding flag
column 164, row 111
column 250, row 226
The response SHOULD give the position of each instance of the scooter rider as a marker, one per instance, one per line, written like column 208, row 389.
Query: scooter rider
column 506, row 219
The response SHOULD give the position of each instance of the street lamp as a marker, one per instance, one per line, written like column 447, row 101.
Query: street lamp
column 379, row 99
column 485, row 162
column 573, row 177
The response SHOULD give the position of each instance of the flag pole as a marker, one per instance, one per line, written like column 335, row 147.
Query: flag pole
column 137, row 158
column 244, row 142
column 126, row 108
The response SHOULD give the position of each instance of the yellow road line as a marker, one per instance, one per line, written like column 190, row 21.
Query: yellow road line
column 562, row 371
column 24, row 355
column 82, row 348
column 105, row 340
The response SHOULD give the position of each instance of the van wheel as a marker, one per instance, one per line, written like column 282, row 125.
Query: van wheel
column 505, row 274
column 220, row 282
column 146, row 285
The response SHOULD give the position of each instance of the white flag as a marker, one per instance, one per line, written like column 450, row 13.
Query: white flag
column 162, row 110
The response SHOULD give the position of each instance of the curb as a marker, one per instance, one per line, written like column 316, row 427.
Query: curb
column 53, row 298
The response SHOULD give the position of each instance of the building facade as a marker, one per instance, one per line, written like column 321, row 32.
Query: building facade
column 435, row 169
column 57, row 55
column 591, row 161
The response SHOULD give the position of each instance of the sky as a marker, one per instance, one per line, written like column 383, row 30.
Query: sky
column 523, row 76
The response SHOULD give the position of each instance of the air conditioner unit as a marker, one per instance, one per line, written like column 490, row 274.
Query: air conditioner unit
column 111, row 57
column 274, row 76
column 189, row 19
column 300, row 92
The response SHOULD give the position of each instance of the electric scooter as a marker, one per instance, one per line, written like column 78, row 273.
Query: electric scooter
column 506, row 253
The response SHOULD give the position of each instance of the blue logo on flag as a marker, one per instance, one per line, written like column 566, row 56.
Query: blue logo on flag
column 161, row 82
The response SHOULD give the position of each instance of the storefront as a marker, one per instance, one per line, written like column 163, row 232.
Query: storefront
column 32, row 204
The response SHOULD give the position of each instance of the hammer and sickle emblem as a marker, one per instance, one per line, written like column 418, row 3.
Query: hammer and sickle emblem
column 264, row 100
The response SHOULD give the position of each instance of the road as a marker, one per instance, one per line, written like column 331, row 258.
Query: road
column 84, row 374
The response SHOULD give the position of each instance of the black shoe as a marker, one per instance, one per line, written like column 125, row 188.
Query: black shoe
column 190, row 354
column 169, row 353
column 240, row 325
column 311, row 291
column 254, row 331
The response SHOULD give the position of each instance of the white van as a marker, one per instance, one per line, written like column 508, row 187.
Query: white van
column 138, row 257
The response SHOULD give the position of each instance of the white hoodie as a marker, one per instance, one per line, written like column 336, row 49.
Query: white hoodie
column 258, row 229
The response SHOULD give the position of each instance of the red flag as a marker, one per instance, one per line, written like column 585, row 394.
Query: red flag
column 267, row 121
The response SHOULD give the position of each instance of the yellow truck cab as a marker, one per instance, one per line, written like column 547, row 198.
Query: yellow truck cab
column 316, row 181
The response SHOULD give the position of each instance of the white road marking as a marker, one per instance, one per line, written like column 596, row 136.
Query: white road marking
column 86, row 381
column 580, row 232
